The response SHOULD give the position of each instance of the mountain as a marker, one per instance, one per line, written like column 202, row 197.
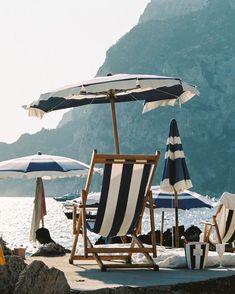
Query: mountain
column 191, row 39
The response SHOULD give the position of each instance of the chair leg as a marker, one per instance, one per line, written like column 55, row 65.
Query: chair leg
column 77, row 232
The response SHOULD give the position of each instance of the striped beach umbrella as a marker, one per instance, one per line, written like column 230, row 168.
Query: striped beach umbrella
column 175, row 176
column 153, row 90
column 42, row 166
column 186, row 199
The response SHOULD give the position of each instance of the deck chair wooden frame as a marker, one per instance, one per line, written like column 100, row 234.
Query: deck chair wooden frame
column 140, row 166
column 224, row 233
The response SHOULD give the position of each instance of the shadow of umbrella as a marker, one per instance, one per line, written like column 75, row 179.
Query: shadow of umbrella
column 41, row 166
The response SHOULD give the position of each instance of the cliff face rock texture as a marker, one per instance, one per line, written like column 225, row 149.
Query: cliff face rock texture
column 194, row 40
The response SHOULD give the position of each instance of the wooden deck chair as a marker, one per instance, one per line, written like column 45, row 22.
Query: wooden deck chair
column 222, row 228
column 126, row 183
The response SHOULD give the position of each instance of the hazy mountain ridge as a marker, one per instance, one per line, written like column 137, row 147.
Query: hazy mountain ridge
column 197, row 46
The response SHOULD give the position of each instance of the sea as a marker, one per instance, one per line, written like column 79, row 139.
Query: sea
column 16, row 217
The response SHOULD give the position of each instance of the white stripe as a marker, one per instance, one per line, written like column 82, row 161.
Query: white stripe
column 132, row 198
column 179, row 186
column 206, row 254
column 174, row 155
column 112, row 199
column 197, row 252
column 230, row 230
column 188, row 255
column 173, row 140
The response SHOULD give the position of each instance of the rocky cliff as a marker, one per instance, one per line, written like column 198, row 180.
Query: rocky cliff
column 194, row 40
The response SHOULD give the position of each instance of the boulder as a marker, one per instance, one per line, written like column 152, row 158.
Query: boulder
column 192, row 234
column 51, row 249
column 37, row 278
column 9, row 273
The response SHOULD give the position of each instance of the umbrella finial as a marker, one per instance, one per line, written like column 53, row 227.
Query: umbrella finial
column 39, row 153
column 83, row 90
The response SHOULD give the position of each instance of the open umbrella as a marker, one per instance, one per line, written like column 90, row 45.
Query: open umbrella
column 175, row 176
column 186, row 200
column 41, row 166
column 154, row 90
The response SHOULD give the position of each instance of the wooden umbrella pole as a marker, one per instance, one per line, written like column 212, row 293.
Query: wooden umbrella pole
column 115, row 130
column 176, row 220
column 162, row 226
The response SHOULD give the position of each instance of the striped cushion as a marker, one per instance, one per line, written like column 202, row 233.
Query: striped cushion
column 121, row 200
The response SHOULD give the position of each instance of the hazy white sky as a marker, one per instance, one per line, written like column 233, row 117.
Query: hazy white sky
column 47, row 44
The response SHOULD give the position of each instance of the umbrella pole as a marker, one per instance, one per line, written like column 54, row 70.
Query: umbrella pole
column 176, row 220
column 115, row 130
column 161, row 233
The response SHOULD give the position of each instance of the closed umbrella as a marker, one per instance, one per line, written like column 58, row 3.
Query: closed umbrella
column 175, row 176
column 154, row 90
column 42, row 166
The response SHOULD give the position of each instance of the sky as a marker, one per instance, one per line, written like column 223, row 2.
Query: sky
column 47, row 44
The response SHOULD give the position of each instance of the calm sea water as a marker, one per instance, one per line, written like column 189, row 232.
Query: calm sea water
column 16, row 215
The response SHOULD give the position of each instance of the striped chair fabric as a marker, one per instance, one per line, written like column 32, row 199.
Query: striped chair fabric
column 222, row 229
column 122, row 197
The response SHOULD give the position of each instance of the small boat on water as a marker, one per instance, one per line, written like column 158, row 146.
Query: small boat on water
column 92, row 202
column 68, row 196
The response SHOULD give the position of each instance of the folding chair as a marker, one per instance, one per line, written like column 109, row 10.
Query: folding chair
column 222, row 228
column 125, row 187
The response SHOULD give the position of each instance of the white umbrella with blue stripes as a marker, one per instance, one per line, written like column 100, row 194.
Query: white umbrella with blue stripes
column 175, row 176
column 153, row 90
column 41, row 166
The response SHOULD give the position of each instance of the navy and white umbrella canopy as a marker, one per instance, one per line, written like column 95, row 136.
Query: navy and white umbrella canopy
column 42, row 165
column 175, row 175
column 153, row 90
column 186, row 199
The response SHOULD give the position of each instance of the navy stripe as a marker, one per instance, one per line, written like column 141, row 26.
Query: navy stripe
column 192, row 247
column 228, row 225
column 140, row 201
column 56, row 103
column 122, row 199
column 203, row 247
column 174, row 132
column 182, row 203
column 174, row 147
column 175, row 170
column 103, row 197
column 228, row 221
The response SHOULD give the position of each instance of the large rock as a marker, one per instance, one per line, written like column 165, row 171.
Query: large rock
column 9, row 273
column 37, row 278
column 51, row 249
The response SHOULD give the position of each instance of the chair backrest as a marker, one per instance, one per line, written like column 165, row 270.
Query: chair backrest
column 126, row 181
column 225, row 219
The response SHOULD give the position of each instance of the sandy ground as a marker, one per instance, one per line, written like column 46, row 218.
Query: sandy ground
column 87, row 275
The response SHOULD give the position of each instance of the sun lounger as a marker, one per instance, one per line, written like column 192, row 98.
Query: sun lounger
column 126, row 184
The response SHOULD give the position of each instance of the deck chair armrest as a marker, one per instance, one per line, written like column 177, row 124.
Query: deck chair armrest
column 207, row 223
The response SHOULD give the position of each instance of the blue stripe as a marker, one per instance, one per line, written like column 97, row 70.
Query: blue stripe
column 122, row 199
column 56, row 103
column 103, row 197
column 175, row 170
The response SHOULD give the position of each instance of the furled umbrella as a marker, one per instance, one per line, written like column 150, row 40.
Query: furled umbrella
column 154, row 90
column 41, row 166
column 175, row 176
